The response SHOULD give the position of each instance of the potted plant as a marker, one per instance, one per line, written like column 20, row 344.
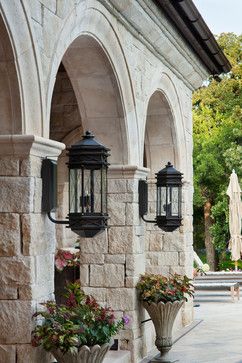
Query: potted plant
column 163, row 297
column 78, row 331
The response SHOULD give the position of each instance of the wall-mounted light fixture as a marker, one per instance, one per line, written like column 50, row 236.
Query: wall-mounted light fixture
column 169, row 198
column 87, row 187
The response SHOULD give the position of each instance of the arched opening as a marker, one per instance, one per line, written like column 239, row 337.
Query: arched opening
column 160, row 142
column 86, row 97
column 159, row 148
column 10, row 105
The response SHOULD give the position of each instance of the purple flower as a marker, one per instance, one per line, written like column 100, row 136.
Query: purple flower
column 126, row 319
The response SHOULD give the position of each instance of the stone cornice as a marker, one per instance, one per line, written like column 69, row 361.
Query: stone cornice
column 25, row 145
column 160, row 25
column 127, row 172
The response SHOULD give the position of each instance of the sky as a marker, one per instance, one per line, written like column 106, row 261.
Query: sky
column 221, row 15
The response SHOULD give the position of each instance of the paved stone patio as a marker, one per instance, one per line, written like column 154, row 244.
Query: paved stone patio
column 218, row 338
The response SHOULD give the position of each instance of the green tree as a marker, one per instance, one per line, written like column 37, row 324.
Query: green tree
column 217, row 115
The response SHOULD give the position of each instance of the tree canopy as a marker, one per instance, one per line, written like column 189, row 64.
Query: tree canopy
column 217, row 115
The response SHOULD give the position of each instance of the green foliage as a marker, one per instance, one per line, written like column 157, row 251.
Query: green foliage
column 158, row 288
column 81, row 321
column 217, row 114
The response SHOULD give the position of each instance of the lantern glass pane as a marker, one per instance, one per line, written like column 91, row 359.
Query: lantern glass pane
column 161, row 201
column 97, row 191
column 104, row 189
column 86, row 197
column 175, row 201
column 74, row 190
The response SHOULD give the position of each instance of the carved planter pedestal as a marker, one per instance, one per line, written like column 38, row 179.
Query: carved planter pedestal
column 95, row 354
column 163, row 317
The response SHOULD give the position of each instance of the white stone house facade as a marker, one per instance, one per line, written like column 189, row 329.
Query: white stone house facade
column 123, row 70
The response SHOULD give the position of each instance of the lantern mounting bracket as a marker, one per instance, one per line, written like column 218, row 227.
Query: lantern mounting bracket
column 56, row 221
column 148, row 220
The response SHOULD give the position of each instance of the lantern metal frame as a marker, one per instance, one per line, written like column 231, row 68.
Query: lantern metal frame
column 169, row 199
column 88, row 167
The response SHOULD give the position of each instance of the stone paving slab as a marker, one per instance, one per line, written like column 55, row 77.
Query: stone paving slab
column 218, row 338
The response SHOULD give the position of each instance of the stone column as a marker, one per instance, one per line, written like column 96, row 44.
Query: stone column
column 170, row 252
column 112, row 261
column 27, row 244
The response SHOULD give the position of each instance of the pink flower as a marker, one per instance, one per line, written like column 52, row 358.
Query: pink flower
column 60, row 264
column 68, row 255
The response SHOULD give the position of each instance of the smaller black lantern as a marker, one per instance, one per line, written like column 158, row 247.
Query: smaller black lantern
column 87, row 187
column 168, row 203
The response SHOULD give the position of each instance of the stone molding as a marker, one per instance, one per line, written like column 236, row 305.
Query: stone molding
column 133, row 26
column 25, row 145
column 127, row 172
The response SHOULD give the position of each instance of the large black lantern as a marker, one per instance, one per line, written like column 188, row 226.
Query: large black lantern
column 87, row 187
column 168, row 202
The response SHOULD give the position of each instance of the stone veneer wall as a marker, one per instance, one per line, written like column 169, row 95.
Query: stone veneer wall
column 112, row 261
column 27, row 245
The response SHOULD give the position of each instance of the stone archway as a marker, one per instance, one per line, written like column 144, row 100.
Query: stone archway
column 10, row 108
column 86, row 96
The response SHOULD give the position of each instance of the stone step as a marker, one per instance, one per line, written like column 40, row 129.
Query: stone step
column 120, row 356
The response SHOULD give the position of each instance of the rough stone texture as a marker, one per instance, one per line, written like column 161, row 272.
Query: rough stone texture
column 118, row 259
column 173, row 242
column 15, row 328
column 117, row 186
column 98, row 244
column 15, row 271
column 8, row 293
column 9, row 234
column 31, row 166
column 10, row 190
column 9, row 166
column 84, row 275
column 120, row 240
column 122, row 299
column 27, row 353
column 7, row 353
column 100, row 294
column 117, row 213
column 155, row 241
column 38, row 234
column 132, row 214
column 89, row 258
column 108, row 275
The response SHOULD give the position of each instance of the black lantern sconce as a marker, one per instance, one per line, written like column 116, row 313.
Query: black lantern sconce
column 169, row 198
column 87, row 187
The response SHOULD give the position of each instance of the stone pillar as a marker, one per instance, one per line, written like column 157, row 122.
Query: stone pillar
column 112, row 261
column 170, row 252
column 27, row 244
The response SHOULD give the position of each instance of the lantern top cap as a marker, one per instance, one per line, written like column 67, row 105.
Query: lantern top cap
column 88, row 141
column 169, row 170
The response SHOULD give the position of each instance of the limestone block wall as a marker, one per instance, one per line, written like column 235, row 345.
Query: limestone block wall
column 27, row 245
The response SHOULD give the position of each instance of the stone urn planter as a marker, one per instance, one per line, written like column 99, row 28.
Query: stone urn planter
column 162, row 297
column 95, row 354
column 163, row 316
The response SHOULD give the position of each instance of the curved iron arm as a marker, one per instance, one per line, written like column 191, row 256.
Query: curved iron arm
column 147, row 220
column 55, row 221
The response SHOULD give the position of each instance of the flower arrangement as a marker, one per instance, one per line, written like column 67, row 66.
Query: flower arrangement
column 158, row 288
column 65, row 258
column 80, row 321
